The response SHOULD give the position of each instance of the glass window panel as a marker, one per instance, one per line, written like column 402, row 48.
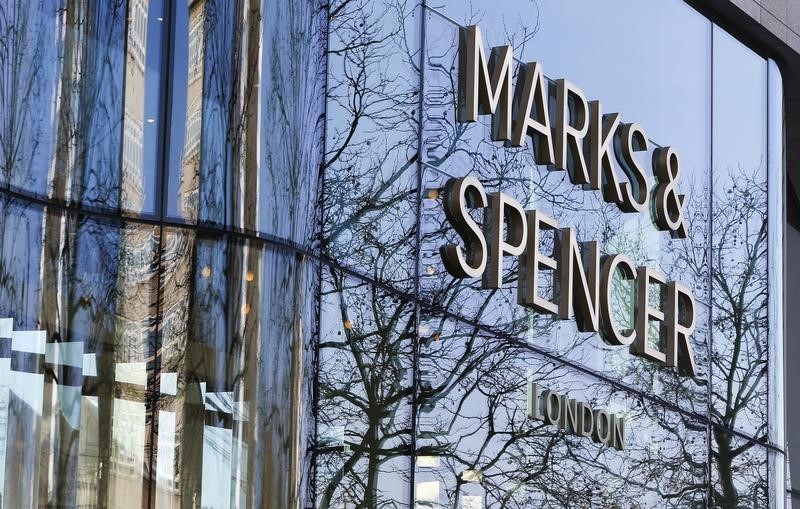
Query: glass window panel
column 739, row 300
column 778, row 475
column 21, row 231
column 202, row 128
column 76, row 358
column 370, row 165
column 291, row 98
column 739, row 468
column 232, row 371
column 237, row 320
column 28, row 136
column 245, row 139
column 365, row 390
column 477, row 444
column 142, row 103
column 186, row 98
column 21, row 389
column 778, row 296
column 80, row 121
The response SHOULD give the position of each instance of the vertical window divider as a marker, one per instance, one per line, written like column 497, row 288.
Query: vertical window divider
column 417, row 252
column 311, row 499
column 710, row 251
column 162, row 183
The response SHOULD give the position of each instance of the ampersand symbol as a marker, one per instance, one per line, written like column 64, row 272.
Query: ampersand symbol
column 667, row 203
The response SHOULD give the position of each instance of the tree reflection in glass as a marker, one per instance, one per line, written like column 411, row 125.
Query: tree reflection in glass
column 365, row 395
column 739, row 349
column 370, row 166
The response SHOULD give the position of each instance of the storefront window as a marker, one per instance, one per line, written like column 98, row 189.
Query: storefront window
column 222, row 282
column 81, row 113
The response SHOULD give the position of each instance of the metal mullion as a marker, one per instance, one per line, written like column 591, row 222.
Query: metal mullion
column 162, row 170
column 415, row 353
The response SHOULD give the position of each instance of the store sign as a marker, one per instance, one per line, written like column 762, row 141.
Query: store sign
column 580, row 139
column 576, row 417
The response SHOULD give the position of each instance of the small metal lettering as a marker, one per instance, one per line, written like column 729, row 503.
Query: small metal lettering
column 667, row 203
column 530, row 113
column 534, row 409
column 636, row 192
column 679, row 351
column 484, row 89
column 459, row 196
column 572, row 124
column 552, row 407
column 609, row 331
column 602, row 129
column 641, row 346
column 586, row 420
column 618, row 435
column 569, row 414
column 532, row 261
column 503, row 210
column 602, row 427
column 579, row 288
column 576, row 417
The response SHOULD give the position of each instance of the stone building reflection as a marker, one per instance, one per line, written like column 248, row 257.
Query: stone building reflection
column 141, row 373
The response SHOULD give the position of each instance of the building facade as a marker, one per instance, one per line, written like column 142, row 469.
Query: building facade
column 389, row 253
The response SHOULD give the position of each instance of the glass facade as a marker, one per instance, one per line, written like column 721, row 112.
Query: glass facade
column 220, row 272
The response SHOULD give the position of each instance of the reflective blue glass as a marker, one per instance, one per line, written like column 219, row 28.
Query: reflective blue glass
column 221, row 282
column 81, row 109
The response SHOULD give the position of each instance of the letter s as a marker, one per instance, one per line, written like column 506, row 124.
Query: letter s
column 460, row 194
column 631, row 138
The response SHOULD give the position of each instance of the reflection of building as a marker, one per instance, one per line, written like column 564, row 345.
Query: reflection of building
column 198, row 408
column 135, row 87
column 136, row 299
column 21, row 364
column 173, row 414
column 190, row 158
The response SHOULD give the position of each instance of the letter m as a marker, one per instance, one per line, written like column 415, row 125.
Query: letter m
column 482, row 88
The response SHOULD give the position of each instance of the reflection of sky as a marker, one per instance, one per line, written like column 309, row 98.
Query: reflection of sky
column 740, row 106
column 469, row 412
column 152, row 99
column 627, row 54
column 180, row 77
column 652, row 63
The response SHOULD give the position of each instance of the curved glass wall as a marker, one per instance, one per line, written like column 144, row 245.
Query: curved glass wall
column 220, row 279
column 159, row 277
